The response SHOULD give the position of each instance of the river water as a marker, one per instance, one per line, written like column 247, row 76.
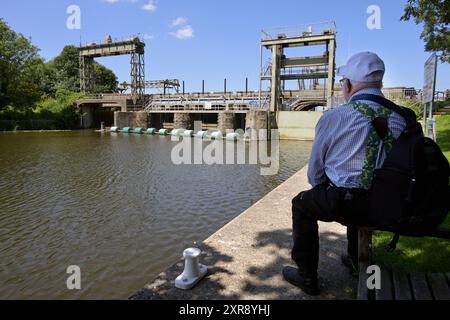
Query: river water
column 115, row 206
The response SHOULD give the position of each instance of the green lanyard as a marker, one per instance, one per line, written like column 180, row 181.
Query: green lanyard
column 374, row 140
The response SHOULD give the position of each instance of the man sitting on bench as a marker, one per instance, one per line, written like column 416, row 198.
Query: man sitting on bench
column 338, row 170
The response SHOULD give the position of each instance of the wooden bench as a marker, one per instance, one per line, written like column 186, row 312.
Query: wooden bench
column 400, row 285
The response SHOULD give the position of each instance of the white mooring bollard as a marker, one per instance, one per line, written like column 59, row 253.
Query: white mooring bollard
column 193, row 270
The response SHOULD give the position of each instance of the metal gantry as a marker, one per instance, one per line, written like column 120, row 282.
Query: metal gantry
column 137, row 76
column 132, row 46
column 281, row 68
column 166, row 86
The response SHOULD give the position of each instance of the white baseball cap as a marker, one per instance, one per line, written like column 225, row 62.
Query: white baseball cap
column 363, row 67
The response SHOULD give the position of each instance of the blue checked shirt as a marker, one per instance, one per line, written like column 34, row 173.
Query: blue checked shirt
column 340, row 144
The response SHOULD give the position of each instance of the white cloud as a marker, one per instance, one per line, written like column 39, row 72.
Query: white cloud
column 180, row 21
column 184, row 33
column 150, row 6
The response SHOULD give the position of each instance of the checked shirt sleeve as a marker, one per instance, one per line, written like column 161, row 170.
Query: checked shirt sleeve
column 316, row 168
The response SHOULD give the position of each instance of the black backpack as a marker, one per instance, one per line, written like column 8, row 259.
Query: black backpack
column 410, row 194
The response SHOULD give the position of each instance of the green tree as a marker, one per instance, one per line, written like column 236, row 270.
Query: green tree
column 105, row 79
column 65, row 70
column 61, row 109
column 20, row 70
column 435, row 15
column 26, row 90
column 49, row 79
column 64, row 73
column 31, row 89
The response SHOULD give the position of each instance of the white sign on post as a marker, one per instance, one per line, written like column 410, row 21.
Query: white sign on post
column 429, row 86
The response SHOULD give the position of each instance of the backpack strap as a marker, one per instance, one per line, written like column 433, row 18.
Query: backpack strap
column 407, row 114
column 411, row 120
column 375, row 136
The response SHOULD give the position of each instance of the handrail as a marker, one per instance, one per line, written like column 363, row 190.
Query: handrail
column 114, row 40
column 326, row 27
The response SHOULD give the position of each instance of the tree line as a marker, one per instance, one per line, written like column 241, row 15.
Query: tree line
column 35, row 94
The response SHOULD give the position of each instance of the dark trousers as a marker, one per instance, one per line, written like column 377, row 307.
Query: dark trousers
column 325, row 203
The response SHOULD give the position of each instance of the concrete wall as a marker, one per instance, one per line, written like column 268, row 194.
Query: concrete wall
column 123, row 119
column 291, row 125
column 297, row 125
column 183, row 121
column 87, row 116
column 256, row 120
column 142, row 120
column 132, row 119
column 226, row 122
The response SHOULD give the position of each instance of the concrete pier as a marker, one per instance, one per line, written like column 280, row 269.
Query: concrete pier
column 132, row 119
column 245, row 258
column 256, row 120
column 291, row 125
column 142, row 120
column 123, row 119
column 87, row 116
column 226, row 121
column 183, row 121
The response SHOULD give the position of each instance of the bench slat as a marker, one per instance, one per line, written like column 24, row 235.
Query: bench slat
column 439, row 286
column 402, row 290
column 399, row 285
column 420, row 286
column 386, row 286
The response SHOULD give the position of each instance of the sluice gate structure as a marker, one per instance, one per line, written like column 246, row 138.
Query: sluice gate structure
column 282, row 68
column 294, row 89
column 133, row 47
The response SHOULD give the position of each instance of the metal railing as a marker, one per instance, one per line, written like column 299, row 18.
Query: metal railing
column 112, row 40
column 326, row 27
column 103, row 96
column 207, row 104
column 303, row 71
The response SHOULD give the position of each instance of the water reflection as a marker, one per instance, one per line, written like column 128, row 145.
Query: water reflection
column 113, row 204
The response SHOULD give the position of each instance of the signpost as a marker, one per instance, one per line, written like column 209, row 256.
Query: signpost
column 429, row 89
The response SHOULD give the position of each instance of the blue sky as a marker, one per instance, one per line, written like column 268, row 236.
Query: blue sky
column 214, row 39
